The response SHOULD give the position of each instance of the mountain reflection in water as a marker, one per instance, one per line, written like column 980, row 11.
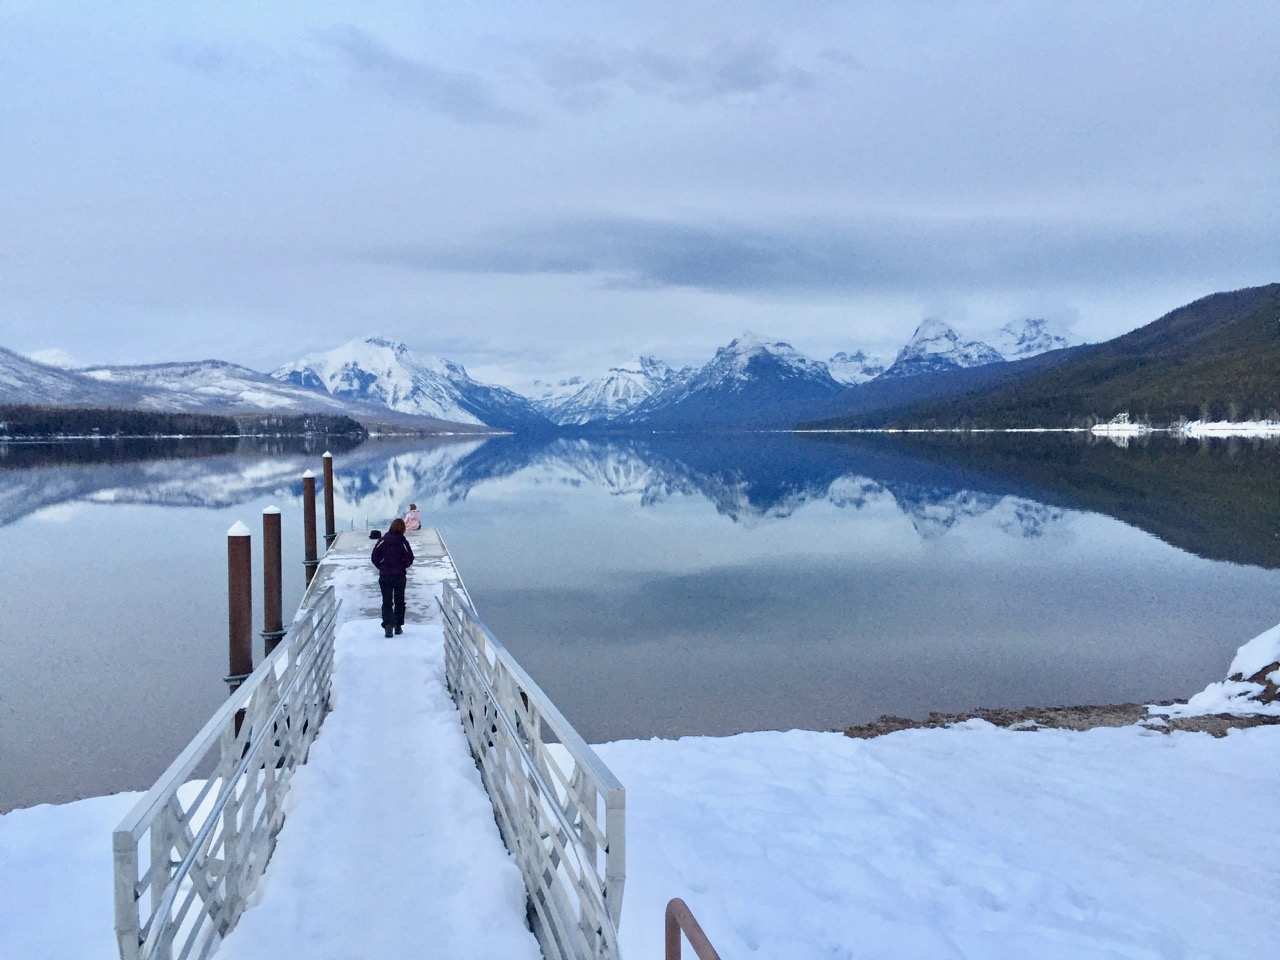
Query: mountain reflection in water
column 1219, row 499
column 654, row 585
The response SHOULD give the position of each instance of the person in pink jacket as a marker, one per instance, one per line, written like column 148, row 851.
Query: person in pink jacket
column 413, row 519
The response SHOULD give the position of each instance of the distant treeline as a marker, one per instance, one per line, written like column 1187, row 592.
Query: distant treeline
column 26, row 422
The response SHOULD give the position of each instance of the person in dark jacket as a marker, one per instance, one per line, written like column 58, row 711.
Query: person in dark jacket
column 393, row 557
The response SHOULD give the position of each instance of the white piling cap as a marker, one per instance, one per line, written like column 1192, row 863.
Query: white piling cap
column 327, row 455
column 238, row 529
column 271, row 509
column 308, row 475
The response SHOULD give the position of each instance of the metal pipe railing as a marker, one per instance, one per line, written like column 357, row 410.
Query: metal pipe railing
column 560, row 810
column 681, row 919
column 188, row 855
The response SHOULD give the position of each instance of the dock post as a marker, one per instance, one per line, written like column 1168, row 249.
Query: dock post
column 272, row 580
column 310, row 557
column 239, row 605
column 330, row 526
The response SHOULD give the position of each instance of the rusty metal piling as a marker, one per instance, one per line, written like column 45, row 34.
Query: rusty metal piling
column 311, row 558
column 330, row 524
column 272, row 580
column 239, row 605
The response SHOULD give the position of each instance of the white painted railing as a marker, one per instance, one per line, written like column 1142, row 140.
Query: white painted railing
column 189, row 854
column 561, row 811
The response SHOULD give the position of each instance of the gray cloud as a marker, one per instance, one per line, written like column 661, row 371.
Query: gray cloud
column 463, row 97
column 827, row 171
column 836, row 257
column 727, row 69
column 205, row 58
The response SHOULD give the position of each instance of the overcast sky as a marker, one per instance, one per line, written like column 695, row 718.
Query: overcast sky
column 537, row 189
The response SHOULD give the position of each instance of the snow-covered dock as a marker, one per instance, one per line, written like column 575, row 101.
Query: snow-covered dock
column 390, row 848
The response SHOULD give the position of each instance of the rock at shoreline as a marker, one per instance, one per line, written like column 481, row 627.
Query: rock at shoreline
column 1069, row 718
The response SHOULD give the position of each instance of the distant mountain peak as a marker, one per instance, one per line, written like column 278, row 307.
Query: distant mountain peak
column 606, row 398
column 856, row 367
column 739, row 359
column 749, row 381
column 388, row 374
column 1019, row 339
column 935, row 346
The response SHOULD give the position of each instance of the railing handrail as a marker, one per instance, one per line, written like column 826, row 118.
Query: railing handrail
column 185, row 763
column 680, row 919
column 549, row 818
column 265, row 710
column 564, row 731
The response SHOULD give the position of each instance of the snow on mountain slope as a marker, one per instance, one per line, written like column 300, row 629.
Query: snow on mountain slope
column 606, row 398
column 211, row 385
column 25, row 381
column 857, row 367
column 935, row 347
column 1017, row 340
column 749, row 382
column 388, row 374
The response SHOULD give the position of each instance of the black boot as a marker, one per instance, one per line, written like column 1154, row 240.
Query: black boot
column 387, row 631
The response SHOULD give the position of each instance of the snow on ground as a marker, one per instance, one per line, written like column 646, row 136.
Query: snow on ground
column 56, row 880
column 969, row 842
column 1226, row 428
column 972, row 842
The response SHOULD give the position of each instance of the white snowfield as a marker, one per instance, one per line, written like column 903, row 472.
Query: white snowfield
column 969, row 842
column 1225, row 428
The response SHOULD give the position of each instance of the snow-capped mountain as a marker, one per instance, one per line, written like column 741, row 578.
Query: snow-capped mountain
column 606, row 398
column 1017, row 340
column 750, row 382
column 544, row 393
column 856, row 367
column 936, row 347
column 23, row 380
column 388, row 374
column 211, row 385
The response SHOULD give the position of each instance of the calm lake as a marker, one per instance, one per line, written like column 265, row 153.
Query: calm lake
column 654, row 586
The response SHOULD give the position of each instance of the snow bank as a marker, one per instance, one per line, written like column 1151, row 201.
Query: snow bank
column 1226, row 428
column 966, row 842
column 1255, row 656
column 1250, row 687
column 969, row 842
column 56, row 880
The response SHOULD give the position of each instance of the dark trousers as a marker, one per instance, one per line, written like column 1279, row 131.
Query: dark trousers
column 392, row 601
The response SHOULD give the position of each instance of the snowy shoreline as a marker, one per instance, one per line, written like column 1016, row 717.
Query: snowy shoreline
column 1192, row 430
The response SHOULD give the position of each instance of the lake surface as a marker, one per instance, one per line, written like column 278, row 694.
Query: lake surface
column 654, row 586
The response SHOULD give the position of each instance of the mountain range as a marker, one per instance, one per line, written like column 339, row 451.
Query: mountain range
column 1215, row 359
column 206, row 386
column 1027, row 374
column 751, row 382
